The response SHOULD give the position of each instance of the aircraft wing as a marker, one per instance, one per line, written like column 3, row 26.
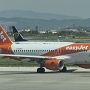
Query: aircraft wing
column 37, row 57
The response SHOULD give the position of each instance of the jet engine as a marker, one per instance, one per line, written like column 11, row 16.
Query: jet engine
column 54, row 64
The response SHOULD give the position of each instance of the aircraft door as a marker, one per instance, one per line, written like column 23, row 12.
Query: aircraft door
column 57, row 52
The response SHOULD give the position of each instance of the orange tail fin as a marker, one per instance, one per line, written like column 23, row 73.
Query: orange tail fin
column 4, row 38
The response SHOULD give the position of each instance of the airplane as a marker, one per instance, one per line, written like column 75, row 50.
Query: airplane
column 52, row 56
column 17, row 36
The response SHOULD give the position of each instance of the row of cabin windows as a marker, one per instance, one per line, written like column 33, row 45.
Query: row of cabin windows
column 73, row 50
column 31, row 50
column 46, row 50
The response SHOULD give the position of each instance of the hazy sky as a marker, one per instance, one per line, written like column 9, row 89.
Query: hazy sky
column 79, row 8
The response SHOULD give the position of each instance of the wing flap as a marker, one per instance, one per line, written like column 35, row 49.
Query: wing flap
column 28, row 56
column 38, row 57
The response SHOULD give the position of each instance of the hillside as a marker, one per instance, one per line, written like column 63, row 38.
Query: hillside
column 34, row 15
column 21, row 23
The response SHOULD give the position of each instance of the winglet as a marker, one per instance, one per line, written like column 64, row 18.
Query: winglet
column 4, row 38
column 17, row 36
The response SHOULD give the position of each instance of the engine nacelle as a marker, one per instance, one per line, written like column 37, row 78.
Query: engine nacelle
column 54, row 64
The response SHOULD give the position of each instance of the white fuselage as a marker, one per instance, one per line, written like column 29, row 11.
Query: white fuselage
column 41, row 48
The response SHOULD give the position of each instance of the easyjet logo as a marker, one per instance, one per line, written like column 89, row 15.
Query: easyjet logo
column 16, row 34
column 81, row 47
column 2, row 36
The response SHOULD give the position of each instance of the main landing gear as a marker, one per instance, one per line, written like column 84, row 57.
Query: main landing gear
column 40, row 70
column 64, row 69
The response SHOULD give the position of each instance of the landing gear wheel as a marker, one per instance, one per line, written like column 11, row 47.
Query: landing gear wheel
column 64, row 69
column 40, row 70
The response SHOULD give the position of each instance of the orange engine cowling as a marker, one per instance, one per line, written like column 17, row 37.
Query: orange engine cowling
column 54, row 64
column 87, row 66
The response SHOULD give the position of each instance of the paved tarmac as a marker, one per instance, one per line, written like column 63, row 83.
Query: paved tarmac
column 26, row 78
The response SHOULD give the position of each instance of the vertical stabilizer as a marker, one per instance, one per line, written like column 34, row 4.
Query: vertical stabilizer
column 17, row 36
column 4, row 38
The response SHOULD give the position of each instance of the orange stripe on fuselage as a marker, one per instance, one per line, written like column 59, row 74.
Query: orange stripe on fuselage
column 73, row 48
column 6, row 49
